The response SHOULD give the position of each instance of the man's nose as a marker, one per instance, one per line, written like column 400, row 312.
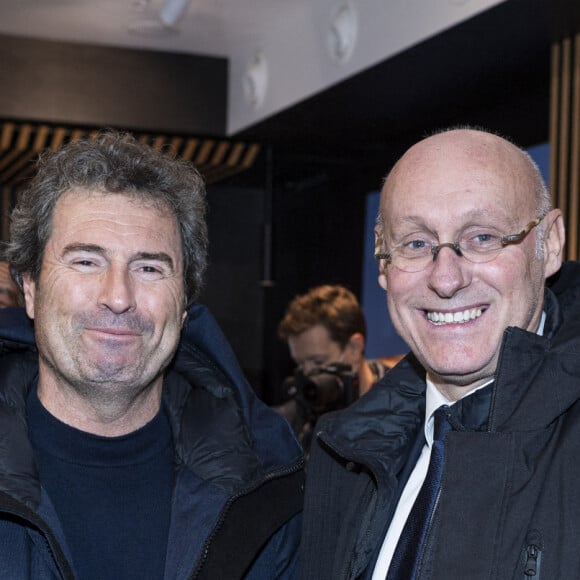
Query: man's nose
column 117, row 291
column 449, row 272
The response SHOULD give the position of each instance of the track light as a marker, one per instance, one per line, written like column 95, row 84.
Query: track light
column 172, row 11
column 342, row 33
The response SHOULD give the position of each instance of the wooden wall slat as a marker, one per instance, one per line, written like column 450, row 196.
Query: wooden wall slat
column 574, row 189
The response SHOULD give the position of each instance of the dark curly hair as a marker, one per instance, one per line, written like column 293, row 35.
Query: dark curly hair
column 332, row 306
column 111, row 163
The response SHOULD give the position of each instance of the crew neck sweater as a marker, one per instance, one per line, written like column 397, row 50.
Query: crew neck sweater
column 112, row 495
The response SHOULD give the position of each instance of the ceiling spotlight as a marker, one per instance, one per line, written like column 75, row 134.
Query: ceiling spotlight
column 342, row 34
column 172, row 11
column 255, row 81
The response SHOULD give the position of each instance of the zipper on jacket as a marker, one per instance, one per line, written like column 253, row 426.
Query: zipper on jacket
column 531, row 557
column 532, row 562
column 205, row 550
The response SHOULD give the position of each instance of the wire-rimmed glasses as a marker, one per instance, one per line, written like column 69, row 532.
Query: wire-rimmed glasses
column 477, row 245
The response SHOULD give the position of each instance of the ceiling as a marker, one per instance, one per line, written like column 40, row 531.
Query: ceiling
column 294, row 39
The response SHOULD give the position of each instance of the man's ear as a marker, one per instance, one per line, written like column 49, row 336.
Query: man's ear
column 554, row 240
column 379, row 248
column 29, row 292
column 356, row 343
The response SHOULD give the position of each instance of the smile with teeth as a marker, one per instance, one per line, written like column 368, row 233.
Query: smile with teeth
column 440, row 318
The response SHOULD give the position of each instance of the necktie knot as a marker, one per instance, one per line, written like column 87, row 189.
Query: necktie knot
column 441, row 425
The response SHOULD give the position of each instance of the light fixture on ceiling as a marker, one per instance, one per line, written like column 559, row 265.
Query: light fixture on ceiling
column 172, row 11
column 255, row 81
column 343, row 31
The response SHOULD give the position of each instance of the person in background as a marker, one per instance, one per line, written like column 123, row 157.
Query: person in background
column 325, row 330
column 462, row 461
column 9, row 291
column 132, row 447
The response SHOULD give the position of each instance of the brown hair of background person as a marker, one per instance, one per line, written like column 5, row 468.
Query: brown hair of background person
column 326, row 327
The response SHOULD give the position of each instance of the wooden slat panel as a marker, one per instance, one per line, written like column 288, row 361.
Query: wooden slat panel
column 235, row 154
column 204, row 152
column 5, row 213
column 563, row 131
column 190, row 149
column 158, row 142
column 250, row 156
column 174, row 146
column 58, row 137
column 219, row 153
column 7, row 132
column 574, row 187
column 23, row 141
column 21, row 146
column 554, row 119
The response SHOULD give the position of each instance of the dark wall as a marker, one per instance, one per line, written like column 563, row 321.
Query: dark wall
column 102, row 86
column 232, row 290
column 317, row 225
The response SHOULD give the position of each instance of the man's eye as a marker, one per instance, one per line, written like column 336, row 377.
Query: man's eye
column 83, row 263
column 150, row 271
column 484, row 239
column 416, row 246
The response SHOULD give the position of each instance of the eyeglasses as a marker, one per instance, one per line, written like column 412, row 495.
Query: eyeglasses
column 476, row 244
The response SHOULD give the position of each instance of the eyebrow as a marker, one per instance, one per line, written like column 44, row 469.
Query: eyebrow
column 96, row 249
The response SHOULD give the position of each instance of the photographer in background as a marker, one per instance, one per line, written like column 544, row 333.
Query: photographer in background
column 326, row 331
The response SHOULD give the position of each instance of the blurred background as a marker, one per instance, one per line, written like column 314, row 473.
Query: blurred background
column 294, row 110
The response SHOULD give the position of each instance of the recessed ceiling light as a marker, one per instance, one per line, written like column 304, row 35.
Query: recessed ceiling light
column 255, row 81
column 343, row 31
column 172, row 11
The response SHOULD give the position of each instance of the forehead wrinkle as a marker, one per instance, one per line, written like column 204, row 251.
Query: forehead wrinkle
column 472, row 215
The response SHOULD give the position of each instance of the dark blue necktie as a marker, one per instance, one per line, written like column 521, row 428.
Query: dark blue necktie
column 408, row 551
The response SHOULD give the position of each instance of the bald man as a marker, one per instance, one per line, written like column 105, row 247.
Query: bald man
column 462, row 463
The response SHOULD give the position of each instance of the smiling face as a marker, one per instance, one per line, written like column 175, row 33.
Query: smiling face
column 109, row 303
column 454, row 312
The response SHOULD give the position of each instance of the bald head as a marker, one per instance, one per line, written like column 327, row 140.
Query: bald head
column 478, row 156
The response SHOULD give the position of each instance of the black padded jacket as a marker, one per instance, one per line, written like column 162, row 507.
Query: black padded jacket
column 510, row 496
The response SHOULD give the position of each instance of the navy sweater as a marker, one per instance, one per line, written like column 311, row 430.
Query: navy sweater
column 112, row 495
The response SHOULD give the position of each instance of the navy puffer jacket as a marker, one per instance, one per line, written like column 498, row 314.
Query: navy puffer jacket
column 238, row 468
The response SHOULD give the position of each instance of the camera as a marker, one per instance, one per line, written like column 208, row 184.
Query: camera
column 325, row 389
